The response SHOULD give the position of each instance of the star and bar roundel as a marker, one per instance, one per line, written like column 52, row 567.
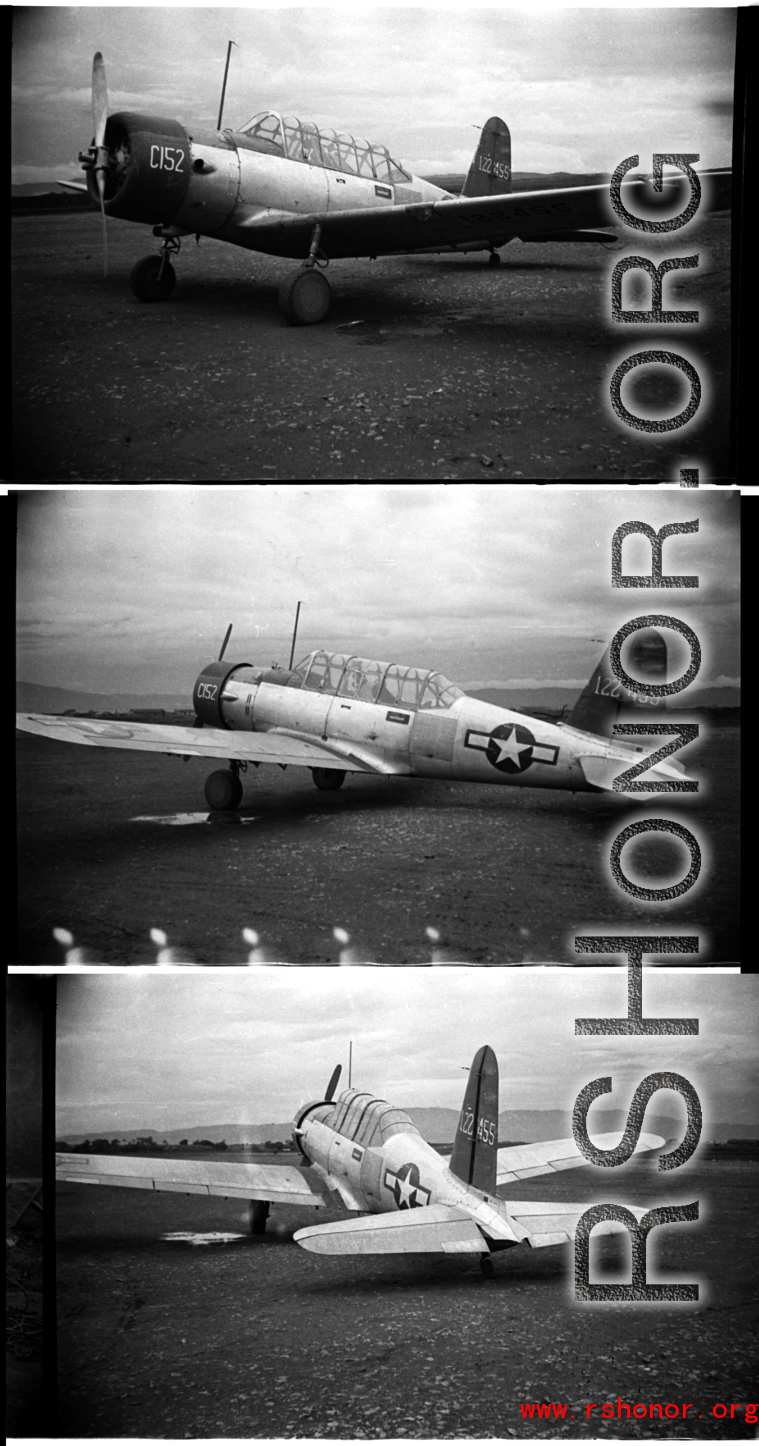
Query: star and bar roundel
column 405, row 1186
column 510, row 747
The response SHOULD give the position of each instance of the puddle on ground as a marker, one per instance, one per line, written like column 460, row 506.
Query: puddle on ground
column 208, row 1237
column 376, row 333
column 219, row 817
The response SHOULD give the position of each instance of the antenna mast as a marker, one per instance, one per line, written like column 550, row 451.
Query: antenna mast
column 224, row 86
column 350, row 1063
column 295, row 634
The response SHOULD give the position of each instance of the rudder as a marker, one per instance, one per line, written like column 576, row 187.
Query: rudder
column 475, row 1149
column 490, row 171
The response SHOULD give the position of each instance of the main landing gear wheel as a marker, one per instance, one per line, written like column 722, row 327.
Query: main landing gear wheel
column 258, row 1211
column 328, row 778
column 145, row 282
column 305, row 298
column 487, row 1267
column 494, row 259
column 223, row 789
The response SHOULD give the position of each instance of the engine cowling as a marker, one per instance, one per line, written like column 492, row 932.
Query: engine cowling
column 150, row 168
column 206, row 695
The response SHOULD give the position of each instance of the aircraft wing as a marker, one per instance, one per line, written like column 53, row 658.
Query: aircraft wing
column 523, row 1162
column 550, row 1222
column 439, row 1228
column 272, row 747
column 281, row 1184
column 428, row 225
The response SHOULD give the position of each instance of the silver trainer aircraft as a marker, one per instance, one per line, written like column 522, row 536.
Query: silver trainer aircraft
column 338, row 714
column 376, row 1161
column 291, row 188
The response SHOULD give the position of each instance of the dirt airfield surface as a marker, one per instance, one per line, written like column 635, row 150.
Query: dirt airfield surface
column 258, row 1338
column 429, row 366
column 114, row 844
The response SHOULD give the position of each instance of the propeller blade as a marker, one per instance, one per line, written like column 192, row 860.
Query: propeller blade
column 99, row 98
column 99, row 119
column 332, row 1086
column 224, row 644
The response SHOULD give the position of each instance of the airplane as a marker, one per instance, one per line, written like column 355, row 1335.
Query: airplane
column 336, row 714
column 377, row 1162
column 291, row 188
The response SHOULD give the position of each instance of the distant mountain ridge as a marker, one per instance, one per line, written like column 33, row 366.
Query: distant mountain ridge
column 437, row 1125
column 41, row 698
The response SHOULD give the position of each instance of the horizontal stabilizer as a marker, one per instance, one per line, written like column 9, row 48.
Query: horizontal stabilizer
column 606, row 236
column 549, row 1222
column 281, row 1184
column 432, row 1228
column 524, row 1162
column 601, row 771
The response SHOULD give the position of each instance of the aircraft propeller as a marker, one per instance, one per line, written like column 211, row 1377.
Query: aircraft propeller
column 332, row 1086
column 99, row 119
column 224, row 644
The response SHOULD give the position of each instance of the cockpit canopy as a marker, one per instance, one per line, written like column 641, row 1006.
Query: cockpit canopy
column 370, row 681
column 304, row 141
column 364, row 1118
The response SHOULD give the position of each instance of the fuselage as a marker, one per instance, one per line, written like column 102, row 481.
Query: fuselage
column 375, row 1158
column 401, row 720
column 226, row 183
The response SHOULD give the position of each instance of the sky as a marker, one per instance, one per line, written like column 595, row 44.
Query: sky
column 175, row 1050
column 131, row 590
column 580, row 88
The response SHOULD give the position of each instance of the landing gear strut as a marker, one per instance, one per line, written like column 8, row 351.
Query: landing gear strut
column 223, row 788
column 154, row 277
column 305, row 298
column 258, row 1211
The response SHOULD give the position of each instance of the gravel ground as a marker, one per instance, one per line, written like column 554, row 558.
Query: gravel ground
column 433, row 366
column 502, row 875
column 260, row 1339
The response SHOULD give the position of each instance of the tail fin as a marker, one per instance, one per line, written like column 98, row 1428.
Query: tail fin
column 490, row 171
column 602, row 697
column 475, row 1148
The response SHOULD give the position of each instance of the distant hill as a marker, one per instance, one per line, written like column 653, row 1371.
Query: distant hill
column 525, row 180
column 437, row 1125
column 525, row 699
column 39, row 698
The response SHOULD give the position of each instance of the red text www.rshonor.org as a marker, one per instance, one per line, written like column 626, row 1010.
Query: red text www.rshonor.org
column 668, row 1410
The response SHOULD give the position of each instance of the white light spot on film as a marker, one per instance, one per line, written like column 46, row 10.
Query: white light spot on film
column 341, row 935
column 158, row 936
column 433, row 934
column 64, row 937
column 250, row 936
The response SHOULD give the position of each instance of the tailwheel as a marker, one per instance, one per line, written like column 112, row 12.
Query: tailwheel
column 305, row 298
column 223, row 789
column 487, row 1267
column 153, row 279
column 328, row 778
column 258, row 1211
